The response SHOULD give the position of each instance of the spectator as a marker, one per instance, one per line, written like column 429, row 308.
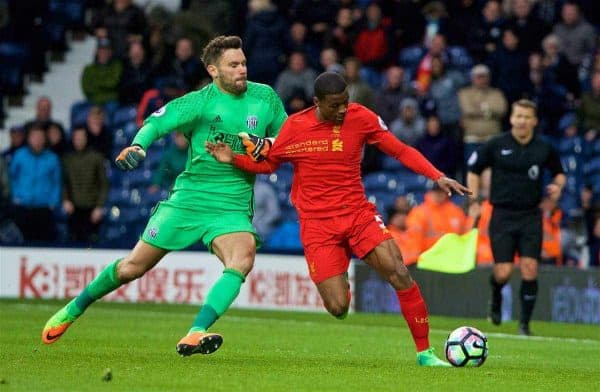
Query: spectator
column 395, row 89
column 342, row 36
column 297, row 76
column 172, row 163
column 444, row 93
column 486, row 35
column 100, row 80
column 267, row 212
column 85, row 189
column 436, row 48
column 438, row 147
column 437, row 216
column 509, row 67
column 122, row 22
column 372, row 45
column 594, row 242
column 551, row 243
column 591, row 214
column 528, row 28
column 576, row 36
column 482, row 108
column 436, row 21
column 589, row 110
column 184, row 65
column 4, row 190
column 557, row 69
column 316, row 16
column 550, row 98
column 9, row 232
column 329, row 61
column 464, row 15
column 359, row 90
column 548, row 11
column 409, row 126
column 136, row 77
column 17, row 140
column 265, row 54
column 298, row 101
column 57, row 142
column 154, row 99
column 299, row 43
column 35, row 179
column 43, row 114
column 399, row 231
column 99, row 136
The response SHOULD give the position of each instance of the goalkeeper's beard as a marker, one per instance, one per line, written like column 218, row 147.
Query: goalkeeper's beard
column 237, row 87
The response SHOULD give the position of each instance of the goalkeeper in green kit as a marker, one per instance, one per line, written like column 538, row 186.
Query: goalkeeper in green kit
column 210, row 201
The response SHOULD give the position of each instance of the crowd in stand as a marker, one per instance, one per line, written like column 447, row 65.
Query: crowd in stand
column 441, row 74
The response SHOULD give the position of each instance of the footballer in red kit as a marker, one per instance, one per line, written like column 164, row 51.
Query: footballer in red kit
column 324, row 143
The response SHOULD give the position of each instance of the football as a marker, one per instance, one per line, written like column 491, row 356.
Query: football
column 466, row 346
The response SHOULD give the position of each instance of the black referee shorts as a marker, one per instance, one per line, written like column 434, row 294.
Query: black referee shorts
column 515, row 231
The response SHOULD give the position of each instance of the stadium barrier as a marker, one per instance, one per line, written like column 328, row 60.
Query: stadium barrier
column 277, row 282
column 565, row 294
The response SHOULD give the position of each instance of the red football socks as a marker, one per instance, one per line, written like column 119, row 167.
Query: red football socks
column 414, row 311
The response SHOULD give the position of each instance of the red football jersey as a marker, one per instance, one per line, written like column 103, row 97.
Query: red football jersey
column 327, row 157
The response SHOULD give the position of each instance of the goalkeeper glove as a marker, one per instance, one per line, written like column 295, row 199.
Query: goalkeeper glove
column 256, row 147
column 130, row 157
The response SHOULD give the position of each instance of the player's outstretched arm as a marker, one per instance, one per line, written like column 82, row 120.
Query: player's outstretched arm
column 130, row 157
column 450, row 185
column 257, row 147
column 220, row 151
column 223, row 153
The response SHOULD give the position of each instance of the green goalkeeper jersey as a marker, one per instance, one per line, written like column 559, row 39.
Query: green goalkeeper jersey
column 212, row 115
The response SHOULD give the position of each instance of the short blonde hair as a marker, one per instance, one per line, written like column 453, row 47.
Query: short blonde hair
column 525, row 103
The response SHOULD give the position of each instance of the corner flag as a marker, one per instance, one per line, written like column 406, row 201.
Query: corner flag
column 452, row 254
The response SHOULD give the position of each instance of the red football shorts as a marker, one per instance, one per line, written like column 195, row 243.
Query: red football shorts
column 330, row 242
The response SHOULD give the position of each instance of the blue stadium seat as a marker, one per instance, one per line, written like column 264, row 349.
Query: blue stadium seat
column 14, row 61
column 592, row 167
column 411, row 182
column 123, row 115
column 285, row 237
column 79, row 112
column 152, row 161
column 382, row 199
column 130, row 129
column 120, row 139
column 118, row 196
column 460, row 58
column 572, row 164
column 409, row 58
column 391, row 164
column 379, row 181
column 281, row 180
column 571, row 146
column 570, row 205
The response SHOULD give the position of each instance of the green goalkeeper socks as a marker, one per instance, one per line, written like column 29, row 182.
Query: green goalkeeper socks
column 219, row 299
column 103, row 284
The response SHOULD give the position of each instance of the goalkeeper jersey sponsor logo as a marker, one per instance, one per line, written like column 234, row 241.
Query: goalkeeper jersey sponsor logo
column 233, row 140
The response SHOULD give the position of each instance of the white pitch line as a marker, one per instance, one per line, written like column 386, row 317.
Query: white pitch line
column 150, row 313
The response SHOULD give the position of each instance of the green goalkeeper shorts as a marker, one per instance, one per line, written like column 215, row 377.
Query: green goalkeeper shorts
column 173, row 228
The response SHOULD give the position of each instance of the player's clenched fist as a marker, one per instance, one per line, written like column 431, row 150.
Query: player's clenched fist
column 130, row 157
column 256, row 147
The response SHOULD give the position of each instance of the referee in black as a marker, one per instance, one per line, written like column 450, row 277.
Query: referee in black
column 517, row 159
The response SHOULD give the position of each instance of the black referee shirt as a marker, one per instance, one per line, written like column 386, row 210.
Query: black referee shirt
column 517, row 170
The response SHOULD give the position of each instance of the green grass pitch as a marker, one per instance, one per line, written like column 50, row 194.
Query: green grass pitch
column 279, row 351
